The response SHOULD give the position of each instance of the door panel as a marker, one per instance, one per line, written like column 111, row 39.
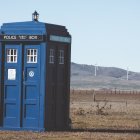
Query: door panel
column 31, row 88
column 12, row 86
column 61, row 83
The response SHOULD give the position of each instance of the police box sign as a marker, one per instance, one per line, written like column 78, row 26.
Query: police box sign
column 60, row 38
column 21, row 37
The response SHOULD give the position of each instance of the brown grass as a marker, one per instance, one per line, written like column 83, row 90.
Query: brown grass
column 118, row 111
column 10, row 135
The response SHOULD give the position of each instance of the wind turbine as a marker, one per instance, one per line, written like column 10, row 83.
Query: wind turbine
column 95, row 70
column 127, row 73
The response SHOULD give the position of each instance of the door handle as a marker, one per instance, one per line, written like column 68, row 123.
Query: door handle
column 23, row 75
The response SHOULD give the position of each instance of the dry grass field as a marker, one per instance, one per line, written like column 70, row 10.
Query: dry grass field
column 66, row 136
column 95, row 116
column 105, row 110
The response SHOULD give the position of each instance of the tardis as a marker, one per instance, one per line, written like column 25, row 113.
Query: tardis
column 34, row 76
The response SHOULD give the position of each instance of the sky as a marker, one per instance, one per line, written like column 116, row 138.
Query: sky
column 104, row 32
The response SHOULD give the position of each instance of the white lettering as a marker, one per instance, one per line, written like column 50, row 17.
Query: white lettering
column 9, row 37
column 32, row 37
column 22, row 37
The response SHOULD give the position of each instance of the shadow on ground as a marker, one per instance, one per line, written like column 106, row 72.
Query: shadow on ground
column 107, row 130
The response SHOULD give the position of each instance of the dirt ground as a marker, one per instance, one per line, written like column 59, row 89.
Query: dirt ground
column 105, row 110
column 6, row 135
column 95, row 116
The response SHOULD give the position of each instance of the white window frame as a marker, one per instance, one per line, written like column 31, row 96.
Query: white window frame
column 51, row 56
column 61, row 56
column 12, row 55
column 32, row 55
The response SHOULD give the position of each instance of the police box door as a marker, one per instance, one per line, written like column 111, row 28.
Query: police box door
column 31, row 86
column 21, row 86
column 12, row 86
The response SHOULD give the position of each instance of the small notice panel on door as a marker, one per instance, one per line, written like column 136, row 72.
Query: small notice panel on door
column 11, row 74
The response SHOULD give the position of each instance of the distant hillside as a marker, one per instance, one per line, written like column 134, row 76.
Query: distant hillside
column 82, row 76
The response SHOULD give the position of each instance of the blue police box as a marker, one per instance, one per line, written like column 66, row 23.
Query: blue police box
column 34, row 76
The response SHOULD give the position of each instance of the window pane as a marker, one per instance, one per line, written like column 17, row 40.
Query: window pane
column 11, row 51
column 35, row 59
column 12, row 59
column 28, row 52
column 35, row 52
column 31, row 52
column 8, row 58
column 11, row 55
column 15, row 59
column 51, row 56
column 8, row 51
column 31, row 55
column 61, row 56
column 15, row 52
column 32, row 59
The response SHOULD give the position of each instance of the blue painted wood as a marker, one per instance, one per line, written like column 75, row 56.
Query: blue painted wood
column 31, row 90
column 43, row 72
column 12, row 90
column 24, row 28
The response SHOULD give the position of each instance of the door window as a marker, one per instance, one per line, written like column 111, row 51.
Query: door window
column 51, row 56
column 61, row 56
column 11, row 55
column 31, row 55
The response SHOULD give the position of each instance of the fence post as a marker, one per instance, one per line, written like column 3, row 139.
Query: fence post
column 94, row 98
column 115, row 90
column 73, row 90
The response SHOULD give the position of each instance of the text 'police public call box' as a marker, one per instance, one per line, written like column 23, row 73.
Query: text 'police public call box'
column 34, row 76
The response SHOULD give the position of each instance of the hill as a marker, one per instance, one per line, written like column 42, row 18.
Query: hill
column 82, row 77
